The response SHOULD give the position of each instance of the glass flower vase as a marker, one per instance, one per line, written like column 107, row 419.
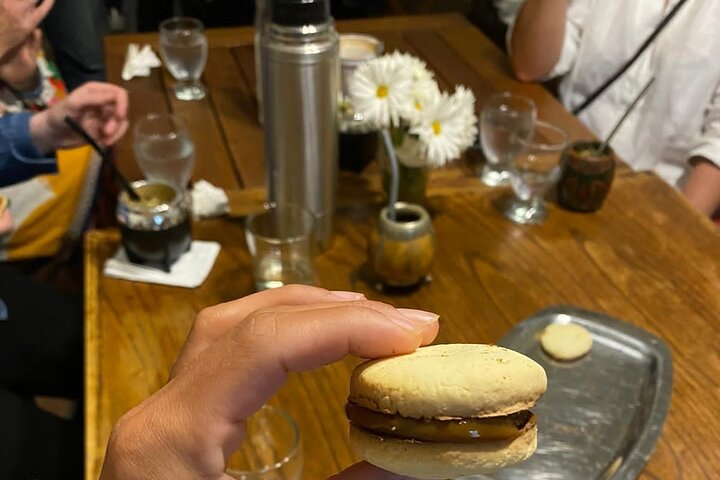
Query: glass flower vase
column 413, row 171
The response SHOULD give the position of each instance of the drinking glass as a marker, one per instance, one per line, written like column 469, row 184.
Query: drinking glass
column 271, row 450
column 280, row 242
column 534, row 170
column 504, row 115
column 164, row 150
column 184, row 50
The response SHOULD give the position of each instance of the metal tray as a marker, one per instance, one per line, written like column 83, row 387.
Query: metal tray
column 602, row 414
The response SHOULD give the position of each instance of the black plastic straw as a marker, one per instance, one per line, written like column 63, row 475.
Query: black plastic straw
column 77, row 128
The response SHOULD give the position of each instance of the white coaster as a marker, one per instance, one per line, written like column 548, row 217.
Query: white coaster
column 190, row 270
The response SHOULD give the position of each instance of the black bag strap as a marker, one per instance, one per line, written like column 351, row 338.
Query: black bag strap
column 648, row 41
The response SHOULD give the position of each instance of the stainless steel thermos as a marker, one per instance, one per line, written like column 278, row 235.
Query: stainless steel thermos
column 300, row 74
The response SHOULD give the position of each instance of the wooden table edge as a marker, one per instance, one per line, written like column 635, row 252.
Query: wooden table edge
column 241, row 35
column 93, row 334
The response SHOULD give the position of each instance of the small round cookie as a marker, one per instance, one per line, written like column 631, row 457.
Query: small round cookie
column 565, row 341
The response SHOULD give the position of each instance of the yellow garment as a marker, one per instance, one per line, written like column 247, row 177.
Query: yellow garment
column 41, row 232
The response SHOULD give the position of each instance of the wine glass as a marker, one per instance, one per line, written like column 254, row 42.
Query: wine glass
column 533, row 171
column 271, row 450
column 503, row 115
column 164, row 149
column 184, row 50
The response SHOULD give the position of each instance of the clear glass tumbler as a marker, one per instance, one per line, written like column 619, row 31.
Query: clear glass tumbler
column 534, row 170
column 271, row 450
column 503, row 116
column 280, row 242
column 184, row 50
column 164, row 150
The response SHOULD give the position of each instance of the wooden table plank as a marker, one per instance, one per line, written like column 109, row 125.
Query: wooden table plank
column 213, row 161
column 236, row 107
column 146, row 95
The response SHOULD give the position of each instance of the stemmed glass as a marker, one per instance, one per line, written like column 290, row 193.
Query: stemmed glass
column 534, row 170
column 503, row 116
column 164, row 149
column 184, row 50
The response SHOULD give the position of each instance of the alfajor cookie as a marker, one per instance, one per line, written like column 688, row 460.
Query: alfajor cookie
column 445, row 411
column 566, row 341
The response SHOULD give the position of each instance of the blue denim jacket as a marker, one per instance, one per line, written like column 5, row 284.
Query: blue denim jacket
column 19, row 159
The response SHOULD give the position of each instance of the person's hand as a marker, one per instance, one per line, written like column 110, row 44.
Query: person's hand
column 19, row 67
column 6, row 223
column 237, row 355
column 18, row 18
column 100, row 108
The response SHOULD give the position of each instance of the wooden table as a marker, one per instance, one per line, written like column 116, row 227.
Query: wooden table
column 646, row 257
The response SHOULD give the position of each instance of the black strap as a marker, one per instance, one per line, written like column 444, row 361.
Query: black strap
column 601, row 89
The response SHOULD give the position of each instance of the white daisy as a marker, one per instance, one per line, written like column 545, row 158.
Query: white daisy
column 464, row 101
column 424, row 92
column 447, row 128
column 380, row 90
column 417, row 67
column 424, row 87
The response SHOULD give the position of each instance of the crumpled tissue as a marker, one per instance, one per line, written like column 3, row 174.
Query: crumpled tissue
column 139, row 61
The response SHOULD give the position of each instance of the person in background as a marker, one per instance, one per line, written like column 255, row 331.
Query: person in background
column 41, row 354
column 75, row 30
column 238, row 354
column 40, row 328
column 675, row 130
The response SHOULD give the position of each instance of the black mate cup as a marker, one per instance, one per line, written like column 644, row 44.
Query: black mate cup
column 588, row 170
column 155, row 230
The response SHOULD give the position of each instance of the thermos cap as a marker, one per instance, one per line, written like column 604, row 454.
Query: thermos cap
column 295, row 13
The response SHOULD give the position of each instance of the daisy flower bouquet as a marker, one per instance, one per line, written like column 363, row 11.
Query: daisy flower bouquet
column 421, row 126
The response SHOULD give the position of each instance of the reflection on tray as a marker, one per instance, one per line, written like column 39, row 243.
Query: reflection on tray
column 602, row 414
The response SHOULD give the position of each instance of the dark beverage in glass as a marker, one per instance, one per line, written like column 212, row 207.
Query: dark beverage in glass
column 356, row 150
column 587, row 175
column 155, row 231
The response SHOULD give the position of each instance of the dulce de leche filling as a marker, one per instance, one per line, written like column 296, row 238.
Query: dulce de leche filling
column 460, row 430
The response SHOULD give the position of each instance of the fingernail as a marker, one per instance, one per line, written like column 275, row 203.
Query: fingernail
column 348, row 295
column 414, row 320
column 419, row 316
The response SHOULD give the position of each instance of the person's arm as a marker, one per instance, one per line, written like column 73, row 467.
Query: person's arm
column 702, row 185
column 537, row 38
column 238, row 354
column 100, row 108
column 702, row 188
column 20, row 160
column 27, row 141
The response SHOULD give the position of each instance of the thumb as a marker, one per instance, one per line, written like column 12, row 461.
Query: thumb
column 366, row 471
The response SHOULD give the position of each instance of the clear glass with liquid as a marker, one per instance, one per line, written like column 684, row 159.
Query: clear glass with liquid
column 503, row 117
column 533, row 171
column 164, row 150
column 184, row 50
column 280, row 242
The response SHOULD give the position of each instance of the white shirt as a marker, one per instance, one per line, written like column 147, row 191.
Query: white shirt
column 680, row 115
column 507, row 9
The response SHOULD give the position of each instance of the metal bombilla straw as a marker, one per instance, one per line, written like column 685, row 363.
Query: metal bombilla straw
column 625, row 115
column 394, row 173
